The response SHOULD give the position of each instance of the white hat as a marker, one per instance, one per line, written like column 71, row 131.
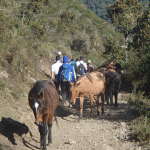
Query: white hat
column 89, row 61
column 59, row 53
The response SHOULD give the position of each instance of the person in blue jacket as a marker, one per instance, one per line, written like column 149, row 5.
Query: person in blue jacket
column 66, row 75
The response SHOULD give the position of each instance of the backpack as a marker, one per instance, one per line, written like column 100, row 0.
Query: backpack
column 66, row 73
column 80, row 69
column 73, row 63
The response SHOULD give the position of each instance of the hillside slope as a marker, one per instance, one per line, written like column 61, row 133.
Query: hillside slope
column 31, row 31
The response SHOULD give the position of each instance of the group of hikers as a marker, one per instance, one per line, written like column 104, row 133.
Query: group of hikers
column 67, row 70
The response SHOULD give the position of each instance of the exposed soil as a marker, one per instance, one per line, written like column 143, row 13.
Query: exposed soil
column 108, row 132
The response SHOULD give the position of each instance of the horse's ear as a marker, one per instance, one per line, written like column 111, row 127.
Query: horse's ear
column 78, row 83
column 71, row 83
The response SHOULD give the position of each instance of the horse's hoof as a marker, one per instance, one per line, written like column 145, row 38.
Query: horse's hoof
column 73, row 106
column 78, row 120
column 49, row 142
column 43, row 148
column 80, row 117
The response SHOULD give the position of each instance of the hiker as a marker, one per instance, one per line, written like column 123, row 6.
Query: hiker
column 81, row 67
column 90, row 67
column 65, row 76
column 59, row 53
column 73, row 63
column 54, row 71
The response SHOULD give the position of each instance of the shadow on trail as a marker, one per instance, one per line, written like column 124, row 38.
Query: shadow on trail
column 9, row 126
column 29, row 145
column 5, row 147
column 122, row 112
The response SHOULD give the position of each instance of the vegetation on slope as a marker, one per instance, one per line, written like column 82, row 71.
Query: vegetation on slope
column 33, row 30
column 140, row 125
column 132, row 20
column 100, row 7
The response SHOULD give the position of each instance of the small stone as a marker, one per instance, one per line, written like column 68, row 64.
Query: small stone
column 70, row 142
column 108, row 147
column 4, row 74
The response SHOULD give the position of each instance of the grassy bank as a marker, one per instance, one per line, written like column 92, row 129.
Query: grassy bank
column 140, row 125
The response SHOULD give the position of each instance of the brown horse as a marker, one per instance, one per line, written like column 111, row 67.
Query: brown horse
column 43, row 100
column 91, row 85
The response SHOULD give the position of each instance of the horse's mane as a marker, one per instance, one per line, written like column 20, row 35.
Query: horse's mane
column 100, row 68
column 85, row 75
column 40, row 85
column 89, row 76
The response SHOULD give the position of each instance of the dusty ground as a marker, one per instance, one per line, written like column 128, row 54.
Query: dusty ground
column 109, row 132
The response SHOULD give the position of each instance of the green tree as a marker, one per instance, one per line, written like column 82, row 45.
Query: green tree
column 133, row 21
column 141, row 47
column 124, row 14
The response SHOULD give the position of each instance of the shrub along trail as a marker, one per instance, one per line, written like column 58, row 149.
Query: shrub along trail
column 109, row 132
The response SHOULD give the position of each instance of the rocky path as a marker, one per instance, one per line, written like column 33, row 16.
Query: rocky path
column 109, row 132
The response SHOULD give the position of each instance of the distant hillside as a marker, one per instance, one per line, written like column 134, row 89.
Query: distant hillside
column 32, row 31
column 100, row 6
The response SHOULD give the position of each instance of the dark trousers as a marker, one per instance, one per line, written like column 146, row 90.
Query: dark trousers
column 65, row 90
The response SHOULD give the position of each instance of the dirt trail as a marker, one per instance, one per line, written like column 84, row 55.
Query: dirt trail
column 109, row 132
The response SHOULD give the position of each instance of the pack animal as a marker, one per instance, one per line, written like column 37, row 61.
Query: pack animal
column 43, row 100
column 91, row 85
column 112, row 74
column 113, row 83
